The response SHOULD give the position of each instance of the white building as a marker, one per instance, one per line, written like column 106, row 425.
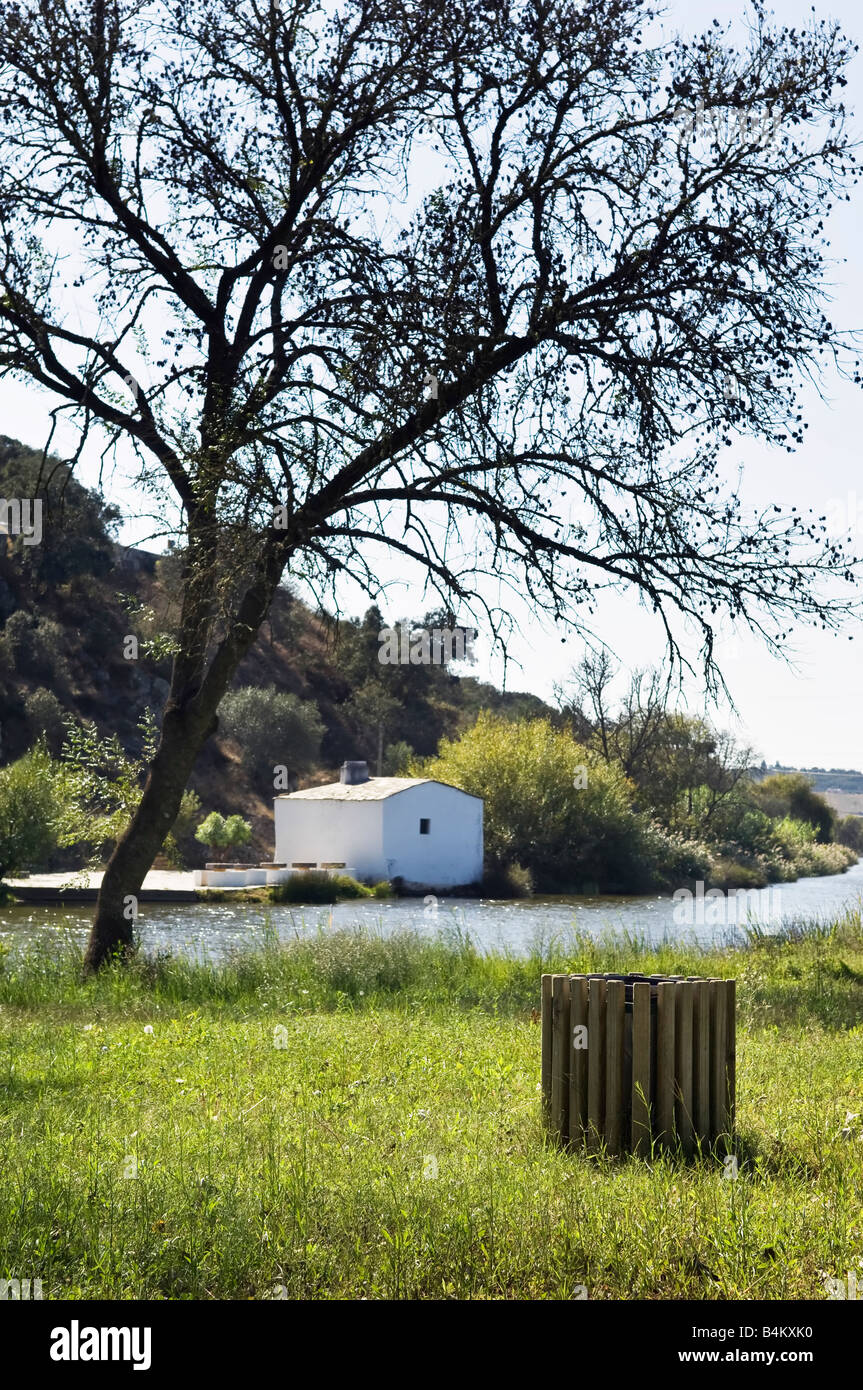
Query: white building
column 424, row 832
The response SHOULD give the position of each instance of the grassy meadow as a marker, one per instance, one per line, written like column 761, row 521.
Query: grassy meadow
column 354, row 1117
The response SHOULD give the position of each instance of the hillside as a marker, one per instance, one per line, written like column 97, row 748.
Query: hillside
column 69, row 604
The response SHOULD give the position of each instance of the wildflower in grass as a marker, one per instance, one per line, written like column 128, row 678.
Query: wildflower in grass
column 148, row 1027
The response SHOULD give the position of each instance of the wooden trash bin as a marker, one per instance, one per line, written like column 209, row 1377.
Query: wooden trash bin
column 631, row 1060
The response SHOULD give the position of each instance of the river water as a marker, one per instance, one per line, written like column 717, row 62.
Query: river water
column 213, row 930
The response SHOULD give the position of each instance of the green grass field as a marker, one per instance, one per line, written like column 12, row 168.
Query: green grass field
column 350, row 1117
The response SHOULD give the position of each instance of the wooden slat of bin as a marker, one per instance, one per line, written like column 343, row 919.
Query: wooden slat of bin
column 560, row 1057
column 641, row 1068
column 546, row 1022
column 701, row 1058
column 718, row 1024
column 683, row 1001
column 615, row 1007
column 665, row 1062
column 596, row 992
column 577, row 1060
column 731, row 1050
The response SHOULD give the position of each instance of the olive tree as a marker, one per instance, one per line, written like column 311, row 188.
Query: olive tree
column 273, row 728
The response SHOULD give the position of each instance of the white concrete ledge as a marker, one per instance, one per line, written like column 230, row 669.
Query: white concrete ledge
column 251, row 877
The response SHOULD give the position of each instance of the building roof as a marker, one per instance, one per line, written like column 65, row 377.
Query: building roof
column 375, row 789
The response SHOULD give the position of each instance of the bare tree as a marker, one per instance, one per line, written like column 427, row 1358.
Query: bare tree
column 644, row 706
column 488, row 286
column 587, row 702
column 671, row 757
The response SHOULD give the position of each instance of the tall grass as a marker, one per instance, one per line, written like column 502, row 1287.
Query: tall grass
column 357, row 1115
column 358, row 968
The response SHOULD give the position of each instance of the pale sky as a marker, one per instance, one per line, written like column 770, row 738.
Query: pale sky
column 807, row 717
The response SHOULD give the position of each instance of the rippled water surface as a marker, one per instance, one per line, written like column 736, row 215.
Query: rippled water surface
column 213, row 930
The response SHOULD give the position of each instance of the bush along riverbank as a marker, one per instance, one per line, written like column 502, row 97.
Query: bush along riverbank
column 310, row 887
column 561, row 817
column 348, row 1116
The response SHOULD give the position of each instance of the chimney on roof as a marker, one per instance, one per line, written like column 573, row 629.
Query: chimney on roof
column 353, row 773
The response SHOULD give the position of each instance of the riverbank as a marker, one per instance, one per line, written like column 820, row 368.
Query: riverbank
column 353, row 1116
column 178, row 886
column 213, row 929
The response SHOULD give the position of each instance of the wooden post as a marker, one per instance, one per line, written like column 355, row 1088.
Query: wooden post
column 701, row 1059
column 665, row 1073
column 641, row 1068
column 560, row 1057
column 596, row 991
column 683, row 1067
column 615, row 1007
column 546, row 1021
column 731, row 1052
column 577, row 1059
column 718, row 1086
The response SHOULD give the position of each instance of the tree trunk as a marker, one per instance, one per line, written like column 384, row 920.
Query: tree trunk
column 113, row 925
column 189, row 720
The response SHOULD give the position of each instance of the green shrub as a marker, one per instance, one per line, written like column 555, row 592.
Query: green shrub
column 221, row 833
column 660, row 858
column 45, row 715
column 36, row 646
column 730, row 874
column 513, row 881
column 99, row 783
column 796, row 853
column 791, row 796
column 316, row 886
column 28, row 809
column 850, row 832
column 397, row 759
column 739, row 827
column 272, row 727
column 551, row 804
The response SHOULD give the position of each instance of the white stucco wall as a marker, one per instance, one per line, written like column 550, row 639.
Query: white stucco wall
column 340, row 831
column 381, row 839
column 451, row 853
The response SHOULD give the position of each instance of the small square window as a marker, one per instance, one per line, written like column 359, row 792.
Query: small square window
column 425, row 827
